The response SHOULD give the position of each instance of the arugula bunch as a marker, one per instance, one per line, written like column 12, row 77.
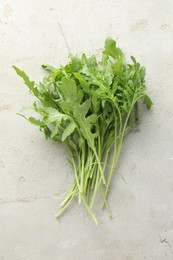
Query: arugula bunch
column 89, row 105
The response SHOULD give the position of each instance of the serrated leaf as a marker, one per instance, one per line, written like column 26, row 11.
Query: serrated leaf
column 79, row 96
column 68, row 130
column 133, row 59
column 95, row 103
column 104, row 61
column 48, row 100
column 54, row 132
column 92, row 63
column 69, row 88
column 75, row 64
column 30, row 84
column 53, row 115
column 66, row 106
column 107, row 74
column 118, row 66
column 35, row 121
column 85, row 70
column 147, row 101
column 92, row 119
column 49, row 67
column 47, row 132
column 85, row 123
column 111, row 49
column 84, row 108
column 84, row 84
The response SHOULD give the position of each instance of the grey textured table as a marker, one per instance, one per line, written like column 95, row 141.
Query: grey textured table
column 34, row 173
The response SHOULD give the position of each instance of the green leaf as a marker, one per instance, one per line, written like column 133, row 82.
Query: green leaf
column 85, row 123
column 66, row 106
column 147, row 101
column 68, row 130
column 107, row 74
column 85, row 70
column 69, row 88
column 80, row 96
column 54, row 131
column 92, row 63
column 84, row 84
column 95, row 103
column 48, row 100
column 111, row 49
column 84, row 108
column 118, row 65
column 49, row 67
column 47, row 132
column 75, row 64
column 54, row 116
column 83, row 59
column 35, row 121
column 133, row 59
column 30, row 84
column 92, row 119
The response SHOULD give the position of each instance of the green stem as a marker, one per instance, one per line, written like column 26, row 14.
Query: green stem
column 99, row 165
column 67, row 203
column 77, row 180
column 98, row 174
column 82, row 167
column 69, row 195
column 90, row 211
column 116, row 155
column 98, row 181
column 106, row 203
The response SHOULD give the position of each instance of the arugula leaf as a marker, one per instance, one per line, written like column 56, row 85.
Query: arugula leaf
column 75, row 64
column 49, row 67
column 30, row 84
column 35, row 121
column 52, row 115
column 68, row 130
column 68, row 88
column 111, row 49
column 147, row 101
column 55, row 131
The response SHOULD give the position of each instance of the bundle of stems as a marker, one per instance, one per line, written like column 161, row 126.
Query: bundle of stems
column 89, row 105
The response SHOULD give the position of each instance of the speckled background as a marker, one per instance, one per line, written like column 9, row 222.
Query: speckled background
column 34, row 172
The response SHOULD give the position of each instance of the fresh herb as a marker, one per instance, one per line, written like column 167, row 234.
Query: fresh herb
column 89, row 105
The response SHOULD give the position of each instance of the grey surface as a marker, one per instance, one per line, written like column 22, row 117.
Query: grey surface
column 34, row 172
